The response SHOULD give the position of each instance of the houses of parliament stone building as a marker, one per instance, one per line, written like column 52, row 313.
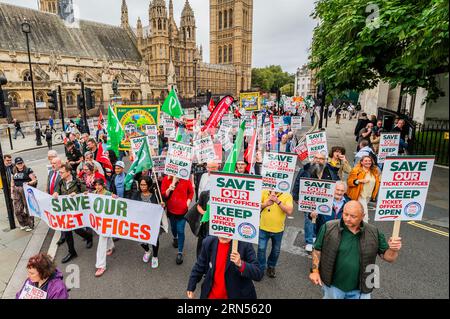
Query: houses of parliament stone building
column 147, row 58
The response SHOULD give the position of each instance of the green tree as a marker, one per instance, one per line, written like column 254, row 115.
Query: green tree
column 360, row 42
column 271, row 78
column 287, row 89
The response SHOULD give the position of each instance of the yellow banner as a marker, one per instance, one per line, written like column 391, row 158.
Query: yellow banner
column 250, row 101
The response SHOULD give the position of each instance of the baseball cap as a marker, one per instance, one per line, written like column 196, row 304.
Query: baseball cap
column 120, row 164
column 18, row 160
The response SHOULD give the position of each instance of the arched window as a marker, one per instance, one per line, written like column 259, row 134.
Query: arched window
column 39, row 97
column 231, row 18
column 15, row 99
column 78, row 78
column 225, row 54
column 69, row 98
column 159, row 24
column 230, row 53
column 220, row 20
column 26, row 76
column 133, row 97
column 225, row 19
column 220, row 54
column 154, row 24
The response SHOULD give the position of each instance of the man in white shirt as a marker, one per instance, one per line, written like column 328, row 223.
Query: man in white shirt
column 204, row 181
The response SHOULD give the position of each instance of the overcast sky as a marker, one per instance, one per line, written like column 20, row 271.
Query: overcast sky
column 282, row 28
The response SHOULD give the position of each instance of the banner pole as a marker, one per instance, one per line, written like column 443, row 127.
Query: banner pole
column 157, row 186
column 396, row 230
column 234, row 247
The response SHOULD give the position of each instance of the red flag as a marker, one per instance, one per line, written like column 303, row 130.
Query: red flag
column 100, row 120
column 218, row 113
column 211, row 105
column 103, row 158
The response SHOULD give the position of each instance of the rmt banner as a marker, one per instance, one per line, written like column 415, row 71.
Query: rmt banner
column 316, row 143
column 278, row 171
column 107, row 216
column 316, row 196
column 389, row 145
column 179, row 160
column 404, row 188
column 235, row 206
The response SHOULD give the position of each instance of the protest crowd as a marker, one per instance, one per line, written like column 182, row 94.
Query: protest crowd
column 185, row 161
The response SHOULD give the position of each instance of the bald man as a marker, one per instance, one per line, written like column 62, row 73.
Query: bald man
column 345, row 253
column 54, row 178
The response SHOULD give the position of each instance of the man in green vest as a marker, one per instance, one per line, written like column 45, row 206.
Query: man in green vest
column 345, row 252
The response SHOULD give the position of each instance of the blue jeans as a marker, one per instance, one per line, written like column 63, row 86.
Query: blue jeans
column 335, row 293
column 262, row 248
column 309, row 230
column 177, row 226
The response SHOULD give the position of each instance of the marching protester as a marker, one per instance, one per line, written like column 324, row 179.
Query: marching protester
column 73, row 155
column 365, row 133
column 146, row 193
column 117, row 185
column 9, row 166
column 343, row 252
column 74, row 139
column 284, row 145
column 376, row 136
column 338, row 161
column 105, row 246
column 241, row 166
column 364, row 183
column 88, row 175
column 318, row 169
column 84, row 139
column 92, row 147
column 178, row 194
column 204, row 181
column 203, row 209
column 89, row 159
column 221, row 281
column 44, row 276
column 339, row 201
column 400, row 128
column 274, row 209
column 21, row 175
column 54, row 179
column 365, row 150
column 362, row 123
column 71, row 186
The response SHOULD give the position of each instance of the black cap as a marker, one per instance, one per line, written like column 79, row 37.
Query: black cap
column 18, row 160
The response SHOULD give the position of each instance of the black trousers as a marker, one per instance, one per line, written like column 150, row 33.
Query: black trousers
column 86, row 234
column 202, row 234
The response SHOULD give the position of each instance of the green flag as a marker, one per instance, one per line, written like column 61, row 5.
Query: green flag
column 230, row 165
column 172, row 106
column 142, row 162
column 115, row 131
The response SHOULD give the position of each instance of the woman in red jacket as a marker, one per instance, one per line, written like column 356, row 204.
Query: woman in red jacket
column 178, row 195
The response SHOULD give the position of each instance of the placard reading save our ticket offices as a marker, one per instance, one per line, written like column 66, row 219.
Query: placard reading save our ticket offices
column 296, row 123
column 152, row 132
column 316, row 196
column 316, row 143
column 235, row 206
column 389, row 146
column 179, row 160
column 278, row 171
column 404, row 188
column 204, row 149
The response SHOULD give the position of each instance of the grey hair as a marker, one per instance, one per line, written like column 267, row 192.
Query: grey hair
column 343, row 184
column 52, row 153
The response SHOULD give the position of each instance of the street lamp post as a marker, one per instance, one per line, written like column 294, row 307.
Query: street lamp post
column 26, row 28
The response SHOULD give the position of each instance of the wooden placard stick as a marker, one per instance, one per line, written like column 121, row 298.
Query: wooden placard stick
column 396, row 230
column 234, row 247
column 157, row 186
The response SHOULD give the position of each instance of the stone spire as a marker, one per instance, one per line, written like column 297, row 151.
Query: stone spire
column 171, row 9
column 124, row 15
column 139, row 30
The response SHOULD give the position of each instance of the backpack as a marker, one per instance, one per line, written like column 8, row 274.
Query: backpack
column 48, row 135
column 374, row 158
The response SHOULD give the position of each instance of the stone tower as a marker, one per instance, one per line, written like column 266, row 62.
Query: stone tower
column 50, row 6
column 124, row 15
column 188, row 41
column 231, row 28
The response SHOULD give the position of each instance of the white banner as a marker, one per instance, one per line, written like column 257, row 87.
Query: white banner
column 296, row 123
column 250, row 126
column 389, row 146
column 169, row 128
column 235, row 206
column 278, row 171
column 316, row 143
column 107, row 216
column 159, row 164
column 404, row 188
column 179, row 160
column 152, row 132
column 316, row 196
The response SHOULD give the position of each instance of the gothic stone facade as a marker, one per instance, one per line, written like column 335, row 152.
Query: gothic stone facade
column 140, row 58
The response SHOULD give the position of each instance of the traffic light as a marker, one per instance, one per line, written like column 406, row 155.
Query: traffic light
column 80, row 102
column 53, row 100
column 90, row 98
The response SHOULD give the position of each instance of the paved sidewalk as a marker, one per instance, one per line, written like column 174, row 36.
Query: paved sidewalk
column 437, row 206
column 21, row 144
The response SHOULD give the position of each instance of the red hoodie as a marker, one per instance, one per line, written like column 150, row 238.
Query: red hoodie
column 177, row 200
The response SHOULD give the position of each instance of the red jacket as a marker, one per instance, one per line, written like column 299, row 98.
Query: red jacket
column 177, row 200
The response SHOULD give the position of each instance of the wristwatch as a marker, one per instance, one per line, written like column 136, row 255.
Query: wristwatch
column 279, row 202
column 314, row 270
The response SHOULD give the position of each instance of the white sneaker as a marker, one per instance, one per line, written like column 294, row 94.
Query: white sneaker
column 309, row 248
column 154, row 262
column 28, row 229
column 146, row 257
column 23, row 227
